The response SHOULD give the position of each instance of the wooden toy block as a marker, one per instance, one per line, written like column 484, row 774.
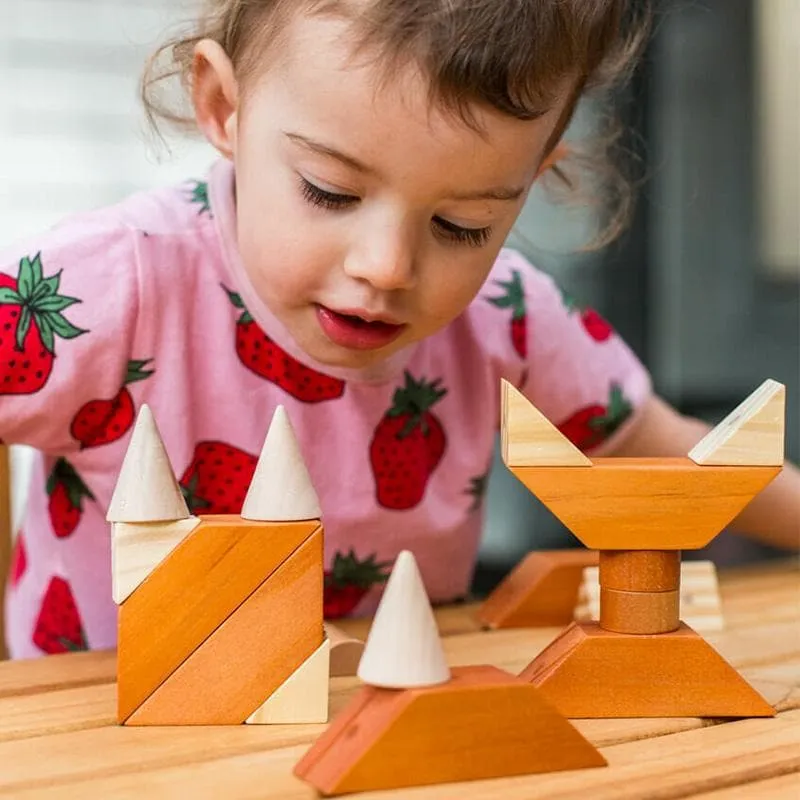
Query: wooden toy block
column 346, row 651
column 303, row 696
column 422, row 723
column 590, row 672
column 542, row 590
column 216, row 613
column 751, row 435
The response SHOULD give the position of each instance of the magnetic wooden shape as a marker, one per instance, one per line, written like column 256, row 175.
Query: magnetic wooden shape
column 483, row 723
column 346, row 651
column 528, row 438
column 751, row 435
column 138, row 547
column 302, row 697
column 645, row 503
column 589, row 672
column 253, row 652
column 190, row 594
column 540, row 591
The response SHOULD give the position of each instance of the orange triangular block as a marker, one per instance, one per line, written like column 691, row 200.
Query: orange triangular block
column 483, row 723
column 588, row 672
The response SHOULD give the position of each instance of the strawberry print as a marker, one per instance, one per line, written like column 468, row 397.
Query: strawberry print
column 594, row 324
column 348, row 580
column 217, row 479
column 19, row 560
column 67, row 492
column 30, row 320
column 477, row 490
column 103, row 421
column 513, row 297
column 261, row 355
column 58, row 628
column 199, row 197
column 407, row 445
column 591, row 425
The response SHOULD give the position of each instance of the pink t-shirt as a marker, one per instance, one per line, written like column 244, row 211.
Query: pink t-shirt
column 148, row 302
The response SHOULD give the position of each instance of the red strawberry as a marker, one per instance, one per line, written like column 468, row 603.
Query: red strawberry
column 261, row 355
column 58, row 628
column 407, row 445
column 594, row 324
column 19, row 560
column 103, row 421
column 593, row 424
column 66, row 491
column 348, row 581
column 30, row 319
column 514, row 298
column 217, row 479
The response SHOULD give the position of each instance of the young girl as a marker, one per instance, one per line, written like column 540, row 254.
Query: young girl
column 343, row 258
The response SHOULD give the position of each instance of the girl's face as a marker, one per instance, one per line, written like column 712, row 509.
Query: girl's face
column 366, row 219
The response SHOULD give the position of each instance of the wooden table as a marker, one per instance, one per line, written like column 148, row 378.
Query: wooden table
column 58, row 737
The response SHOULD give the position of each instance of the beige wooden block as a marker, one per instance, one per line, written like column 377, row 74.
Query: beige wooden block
column 302, row 697
column 346, row 651
column 138, row 547
column 751, row 435
column 529, row 439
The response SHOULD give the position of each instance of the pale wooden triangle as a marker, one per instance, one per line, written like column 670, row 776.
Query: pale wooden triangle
column 146, row 490
column 529, row 439
column 281, row 489
column 302, row 697
column 403, row 649
column 137, row 548
column 751, row 435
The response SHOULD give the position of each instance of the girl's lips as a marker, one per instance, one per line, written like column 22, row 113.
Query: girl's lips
column 356, row 333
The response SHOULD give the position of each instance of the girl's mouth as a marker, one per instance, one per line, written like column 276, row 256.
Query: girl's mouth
column 355, row 332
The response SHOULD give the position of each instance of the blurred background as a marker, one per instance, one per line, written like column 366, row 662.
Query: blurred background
column 705, row 285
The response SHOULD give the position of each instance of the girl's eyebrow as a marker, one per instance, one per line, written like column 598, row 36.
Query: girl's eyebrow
column 505, row 193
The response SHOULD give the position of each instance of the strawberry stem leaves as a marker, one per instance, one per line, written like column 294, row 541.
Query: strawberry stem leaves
column 513, row 296
column 64, row 473
column 237, row 302
column 136, row 371
column 415, row 398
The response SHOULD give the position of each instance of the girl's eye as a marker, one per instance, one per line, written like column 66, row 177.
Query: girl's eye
column 474, row 237
column 319, row 197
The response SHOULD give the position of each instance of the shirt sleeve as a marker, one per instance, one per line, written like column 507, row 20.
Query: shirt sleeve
column 565, row 358
column 68, row 311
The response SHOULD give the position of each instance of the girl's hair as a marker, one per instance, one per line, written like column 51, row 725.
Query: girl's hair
column 509, row 55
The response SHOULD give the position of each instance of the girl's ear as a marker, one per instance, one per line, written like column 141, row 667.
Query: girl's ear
column 215, row 94
column 558, row 153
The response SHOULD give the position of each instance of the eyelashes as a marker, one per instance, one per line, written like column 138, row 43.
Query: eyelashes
column 331, row 201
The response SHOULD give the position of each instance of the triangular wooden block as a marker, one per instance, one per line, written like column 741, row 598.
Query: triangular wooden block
column 403, row 648
column 589, row 672
column 302, row 697
column 146, row 490
column 751, row 435
column 137, row 548
column 484, row 723
column 529, row 439
column 281, row 488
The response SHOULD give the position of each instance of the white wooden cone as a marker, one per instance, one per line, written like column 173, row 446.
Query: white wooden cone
column 281, row 489
column 403, row 649
column 146, row 490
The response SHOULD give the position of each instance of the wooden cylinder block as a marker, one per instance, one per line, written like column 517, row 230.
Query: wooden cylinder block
column 640, row 570
column 639, row 612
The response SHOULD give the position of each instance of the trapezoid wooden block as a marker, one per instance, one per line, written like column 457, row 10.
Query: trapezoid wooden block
column 483, row 723
column 541, row 591
column 589, row 672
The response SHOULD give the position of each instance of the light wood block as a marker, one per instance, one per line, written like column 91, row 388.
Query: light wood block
column 542, row 590
column 588, row 672
column 528, row 438
column 346, row 651
column 302, row 697
column 252, row 653
column 645, row 503
column 189, row 595
column 483, row 723
column 138, row 547
column 751, row 435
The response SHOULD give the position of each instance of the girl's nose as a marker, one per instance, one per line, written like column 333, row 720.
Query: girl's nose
column 385, row 259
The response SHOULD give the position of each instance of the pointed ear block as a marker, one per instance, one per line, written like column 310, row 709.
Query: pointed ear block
column 542, row 590
column 751, row 435
column 529, row 439
column 484, row 723
column 588, row 672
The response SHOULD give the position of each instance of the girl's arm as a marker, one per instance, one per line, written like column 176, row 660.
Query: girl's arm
column 773, row 517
